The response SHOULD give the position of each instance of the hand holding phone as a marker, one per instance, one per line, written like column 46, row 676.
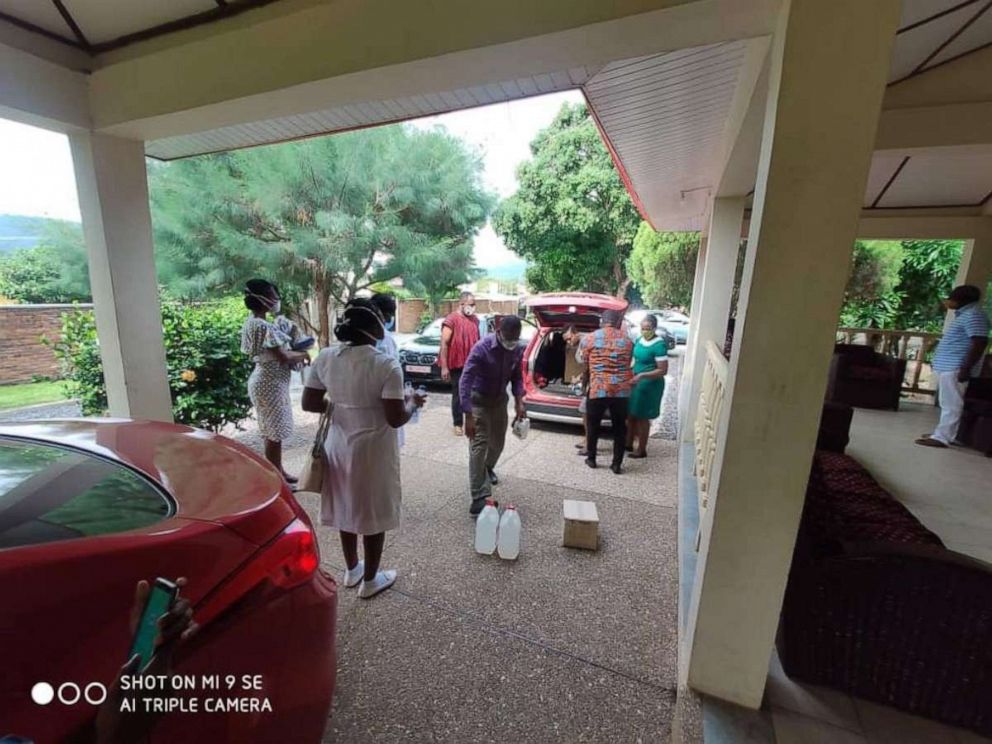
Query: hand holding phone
column 158, row 602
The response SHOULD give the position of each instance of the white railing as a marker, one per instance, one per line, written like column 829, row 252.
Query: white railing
column 913, row 346
column 711, row 397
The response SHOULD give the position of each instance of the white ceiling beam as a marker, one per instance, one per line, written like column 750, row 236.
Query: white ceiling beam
column 964, row 80
column 64, row 55
column 41, row 93
column 333, row 62
column 936, row 126
column 901, row 224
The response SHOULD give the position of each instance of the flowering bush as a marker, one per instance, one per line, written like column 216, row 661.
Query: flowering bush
column 207, row 372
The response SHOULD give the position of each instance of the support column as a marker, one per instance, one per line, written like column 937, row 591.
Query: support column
column 113, row 199
column 689, row 358
column 716, row 291
column 976, row 261
column 828, row 59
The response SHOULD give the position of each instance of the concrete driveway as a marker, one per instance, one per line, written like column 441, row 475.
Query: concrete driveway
column 560, row 645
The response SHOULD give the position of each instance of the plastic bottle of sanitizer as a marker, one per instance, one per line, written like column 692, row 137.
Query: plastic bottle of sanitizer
column 486, row 526
column 508, row 540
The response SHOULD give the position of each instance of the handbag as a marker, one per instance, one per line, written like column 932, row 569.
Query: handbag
column 312, row 477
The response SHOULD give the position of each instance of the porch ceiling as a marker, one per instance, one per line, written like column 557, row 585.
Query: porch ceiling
column 363, row 114
column 96, row 26
column 670, row 84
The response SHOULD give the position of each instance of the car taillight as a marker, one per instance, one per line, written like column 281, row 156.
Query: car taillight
column 288, row 560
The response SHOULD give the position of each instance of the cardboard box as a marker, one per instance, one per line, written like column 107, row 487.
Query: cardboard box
column 581, row 525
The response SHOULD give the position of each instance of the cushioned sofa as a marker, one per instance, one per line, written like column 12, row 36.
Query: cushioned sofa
column 878, row 607
column 862, row 377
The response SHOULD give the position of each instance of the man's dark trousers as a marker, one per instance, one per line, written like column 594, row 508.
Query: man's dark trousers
column 457, row 415
column 596, row 408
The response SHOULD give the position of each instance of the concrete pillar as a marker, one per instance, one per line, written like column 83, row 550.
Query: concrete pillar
column 827, row 60
column 976, row 261
column 711, row 311
column 688, row 358
column 113, row 199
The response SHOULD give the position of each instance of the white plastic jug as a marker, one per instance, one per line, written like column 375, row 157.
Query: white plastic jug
column 508, row 542
column 408, row 392
column 486, row 526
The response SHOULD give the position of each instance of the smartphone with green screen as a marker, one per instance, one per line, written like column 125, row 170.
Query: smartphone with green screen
column 160, row 600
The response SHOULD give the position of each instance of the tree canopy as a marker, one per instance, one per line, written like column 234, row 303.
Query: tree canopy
column 571, row 216
column 663, row 266
column 330, row 215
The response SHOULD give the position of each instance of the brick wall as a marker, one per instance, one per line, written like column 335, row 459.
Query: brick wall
column 22, row 353
column 409, row 311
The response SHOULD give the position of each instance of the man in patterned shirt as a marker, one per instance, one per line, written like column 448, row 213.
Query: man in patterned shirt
column 608, row 353
column 958, row 358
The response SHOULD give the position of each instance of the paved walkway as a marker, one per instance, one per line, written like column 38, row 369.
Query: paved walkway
column 561, row 645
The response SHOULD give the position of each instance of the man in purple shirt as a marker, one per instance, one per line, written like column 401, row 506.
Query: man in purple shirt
column 493, row 363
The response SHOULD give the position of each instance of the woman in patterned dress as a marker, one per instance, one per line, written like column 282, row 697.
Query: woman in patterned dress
column 268, row 386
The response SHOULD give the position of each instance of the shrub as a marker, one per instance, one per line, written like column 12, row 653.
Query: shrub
column 207, row 372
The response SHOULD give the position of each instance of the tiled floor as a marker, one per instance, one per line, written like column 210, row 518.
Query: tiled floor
column 949, row 491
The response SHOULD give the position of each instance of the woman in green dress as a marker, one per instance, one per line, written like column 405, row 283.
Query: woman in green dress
column 650, row 367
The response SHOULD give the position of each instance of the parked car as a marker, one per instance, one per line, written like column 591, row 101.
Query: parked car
column 634, row 319
column 419, row 356
column 89, row 508
column 672, row 325
column 549, row 366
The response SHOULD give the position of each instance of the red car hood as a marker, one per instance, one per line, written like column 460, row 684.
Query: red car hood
column 211, row 477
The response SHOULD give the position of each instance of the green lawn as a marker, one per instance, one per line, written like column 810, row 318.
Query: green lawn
column 30, row 393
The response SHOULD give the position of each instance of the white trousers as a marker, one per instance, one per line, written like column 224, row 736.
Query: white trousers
column 951, row 404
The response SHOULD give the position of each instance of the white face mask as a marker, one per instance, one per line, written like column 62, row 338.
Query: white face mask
column 469, row 310
column 508, row 345
column 276, row 307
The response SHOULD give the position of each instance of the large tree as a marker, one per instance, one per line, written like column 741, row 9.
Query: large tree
column 663, row 266
column 328, row 216
column 571, row 216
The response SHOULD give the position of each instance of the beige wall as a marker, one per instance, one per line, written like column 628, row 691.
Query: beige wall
column 409, row 312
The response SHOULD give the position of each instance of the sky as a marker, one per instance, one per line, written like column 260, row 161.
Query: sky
column 36, row 175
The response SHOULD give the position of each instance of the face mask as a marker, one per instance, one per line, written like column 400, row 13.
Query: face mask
column 469, row 310
column 508, row 345
column 391, row 325
column 648, row 335
column 274, row 305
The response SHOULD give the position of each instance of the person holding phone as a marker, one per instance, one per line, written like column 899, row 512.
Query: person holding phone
column 361, row 490
column 160, row 621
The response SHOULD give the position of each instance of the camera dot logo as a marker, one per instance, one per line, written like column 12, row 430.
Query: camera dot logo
column 43, row 693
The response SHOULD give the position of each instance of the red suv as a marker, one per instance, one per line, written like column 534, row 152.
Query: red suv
column 551, row 370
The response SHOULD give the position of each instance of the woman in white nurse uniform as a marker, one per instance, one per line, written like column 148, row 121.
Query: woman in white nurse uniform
column 361, row 493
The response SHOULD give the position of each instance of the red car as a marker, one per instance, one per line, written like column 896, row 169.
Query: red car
column 90, row 507
column 549, row 365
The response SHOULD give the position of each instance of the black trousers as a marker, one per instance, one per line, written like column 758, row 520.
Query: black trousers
column 596, row 408
column 457, row 415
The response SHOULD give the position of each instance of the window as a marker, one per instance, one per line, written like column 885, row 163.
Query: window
column 50, row 493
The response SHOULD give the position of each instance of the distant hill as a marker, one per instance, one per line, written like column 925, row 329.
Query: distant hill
column 506, row 271
column 19, row 231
